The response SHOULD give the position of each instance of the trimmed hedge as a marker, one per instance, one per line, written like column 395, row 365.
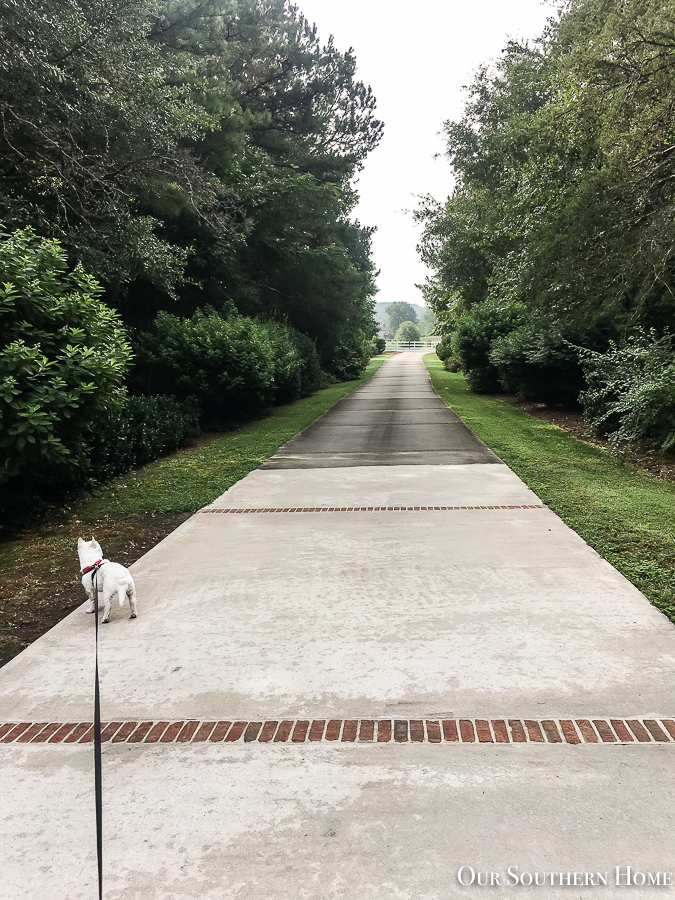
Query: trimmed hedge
column 144, row 429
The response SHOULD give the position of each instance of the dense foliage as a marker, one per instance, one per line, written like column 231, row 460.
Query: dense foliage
column 197, row 158
column 560, row 228
column 194, row 153
column 538, row 360
column 630, row 390
column 144, row 429
column 63, row 356
column 92, row 118
column 232, row 365
column 472, row 340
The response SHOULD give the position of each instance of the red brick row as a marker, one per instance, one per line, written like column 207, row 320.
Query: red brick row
column 297, row 731
column 297, row 509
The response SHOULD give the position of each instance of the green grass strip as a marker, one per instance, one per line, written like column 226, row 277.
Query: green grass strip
column 194, row 477
column 625, row 514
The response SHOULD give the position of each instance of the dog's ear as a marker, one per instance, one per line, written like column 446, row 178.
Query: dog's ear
column 80, row 542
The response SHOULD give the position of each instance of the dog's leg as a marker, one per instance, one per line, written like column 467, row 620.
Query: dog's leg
column 91, row 593
column 106, row 608
column 131, row 594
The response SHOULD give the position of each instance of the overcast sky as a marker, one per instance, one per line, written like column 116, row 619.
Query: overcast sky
column 416, row 57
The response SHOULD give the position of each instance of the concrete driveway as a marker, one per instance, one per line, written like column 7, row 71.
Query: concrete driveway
column 377, row 666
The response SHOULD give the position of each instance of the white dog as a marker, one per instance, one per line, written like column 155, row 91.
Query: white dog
column 112, row 579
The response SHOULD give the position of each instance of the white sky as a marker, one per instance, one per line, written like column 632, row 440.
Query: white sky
column 416, row 59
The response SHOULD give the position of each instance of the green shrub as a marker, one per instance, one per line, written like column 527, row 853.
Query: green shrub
column 452, row 364
column 327, row 380
column 233, row 365
column 378, row 346
column 444, row 349
column 346, row 364
column 408, row 331
column 144, row 429
column 445, row 353
column 537, row 364
column 540, row 361
column 472, row 340
column 63, row 355
column 297, row 372
column 347, row 360
column 630, row 391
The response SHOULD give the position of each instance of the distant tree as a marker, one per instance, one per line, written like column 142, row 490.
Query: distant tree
column 399, row 312
column 408, row 331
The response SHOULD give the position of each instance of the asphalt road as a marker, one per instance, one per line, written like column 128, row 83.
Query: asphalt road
column 396, row 418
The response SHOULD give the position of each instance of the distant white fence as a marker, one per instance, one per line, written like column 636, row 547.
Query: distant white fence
column 413, row 345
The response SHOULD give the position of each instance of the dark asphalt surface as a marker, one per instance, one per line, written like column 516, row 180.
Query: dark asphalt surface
column 395, row 419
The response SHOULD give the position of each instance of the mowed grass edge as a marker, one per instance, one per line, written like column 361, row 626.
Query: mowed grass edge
column 194, row 477
column 626, row 515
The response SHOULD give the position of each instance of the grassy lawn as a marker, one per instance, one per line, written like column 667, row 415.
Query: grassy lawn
column 628, row 516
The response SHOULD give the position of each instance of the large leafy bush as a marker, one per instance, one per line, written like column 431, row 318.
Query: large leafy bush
column 446, row 354
column 345, row 364
column 63, row 355
column 630, row 391
column 540, row 360
column 297, row 372
column 472, row 340
column 350, row 357
column 444, row 349
column 233, row 365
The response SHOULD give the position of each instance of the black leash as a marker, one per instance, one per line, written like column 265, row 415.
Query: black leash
column 98, row 790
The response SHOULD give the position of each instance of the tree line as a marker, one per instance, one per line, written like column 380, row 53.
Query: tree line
column 176, row 202
column 553, row 260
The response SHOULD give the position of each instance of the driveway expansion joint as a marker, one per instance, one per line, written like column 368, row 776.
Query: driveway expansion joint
column 298, row 731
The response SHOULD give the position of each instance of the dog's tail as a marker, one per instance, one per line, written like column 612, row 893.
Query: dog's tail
column 121, row 594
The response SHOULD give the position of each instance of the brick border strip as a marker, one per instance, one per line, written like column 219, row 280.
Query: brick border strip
column 297, row 731
column 320, row 509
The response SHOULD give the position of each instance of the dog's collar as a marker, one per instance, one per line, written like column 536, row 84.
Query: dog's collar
column 94, row 566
